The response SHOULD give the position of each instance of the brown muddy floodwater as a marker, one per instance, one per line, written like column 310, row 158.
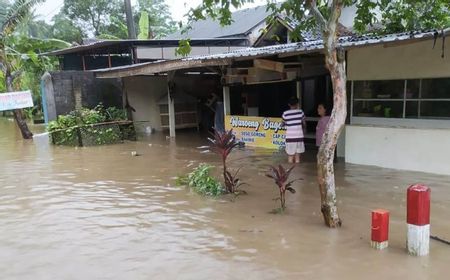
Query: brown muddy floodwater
column 100, row 213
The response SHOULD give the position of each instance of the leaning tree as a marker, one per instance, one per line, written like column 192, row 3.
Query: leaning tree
column 10, row 17
column 396, row 15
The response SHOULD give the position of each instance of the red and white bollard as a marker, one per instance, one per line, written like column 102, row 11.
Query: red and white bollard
column 418, row 219
column 380, row 229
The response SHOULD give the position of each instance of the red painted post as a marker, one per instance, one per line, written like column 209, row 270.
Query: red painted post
column 380, row 229
column 418, row 220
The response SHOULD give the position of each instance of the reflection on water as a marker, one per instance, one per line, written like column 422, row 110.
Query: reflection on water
column 99, row 213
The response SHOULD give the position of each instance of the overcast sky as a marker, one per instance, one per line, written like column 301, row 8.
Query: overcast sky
column 178, row 7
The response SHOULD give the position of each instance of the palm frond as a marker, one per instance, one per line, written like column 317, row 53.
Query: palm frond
column 15, row 14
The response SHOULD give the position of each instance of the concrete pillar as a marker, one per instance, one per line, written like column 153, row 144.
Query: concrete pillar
column 48, row 98
column 380, row 229
column 171, row 104
column 226, row 100
column 418, row 220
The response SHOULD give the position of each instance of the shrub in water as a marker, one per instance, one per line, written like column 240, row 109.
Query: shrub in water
column 80, row 125
column 281, row 177
column 201, row 181
column 223, row 144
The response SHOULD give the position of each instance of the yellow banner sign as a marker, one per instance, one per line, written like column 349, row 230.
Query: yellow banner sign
column 257, row 131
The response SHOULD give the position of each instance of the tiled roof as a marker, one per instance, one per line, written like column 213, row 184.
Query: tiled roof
column 243, row 21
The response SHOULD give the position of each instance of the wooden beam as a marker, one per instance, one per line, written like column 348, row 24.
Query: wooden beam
column 269, row 65
column 159, row 67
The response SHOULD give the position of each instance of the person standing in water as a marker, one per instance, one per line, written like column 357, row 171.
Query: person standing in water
column 294, row 121
column 322, row 124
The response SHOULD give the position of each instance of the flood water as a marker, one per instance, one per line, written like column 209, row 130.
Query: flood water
column 100, row 213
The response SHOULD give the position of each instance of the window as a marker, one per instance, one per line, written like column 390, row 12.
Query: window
column 418, row 98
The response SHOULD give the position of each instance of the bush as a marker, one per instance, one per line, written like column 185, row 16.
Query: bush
column 114, row 114
column 89, row 127
column 202, row 182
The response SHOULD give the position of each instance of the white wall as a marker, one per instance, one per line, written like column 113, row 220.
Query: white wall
column 425, row 150
column 144, row 92
column 415, row 60
column 144, row 52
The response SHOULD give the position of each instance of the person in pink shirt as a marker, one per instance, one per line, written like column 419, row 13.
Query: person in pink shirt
column 322, row 124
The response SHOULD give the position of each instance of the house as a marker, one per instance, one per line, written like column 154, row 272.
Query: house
column 398, row 91
column 74, row 85
column 246, row 23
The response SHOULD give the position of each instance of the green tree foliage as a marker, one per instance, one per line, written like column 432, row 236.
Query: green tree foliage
column 106, row 18
column 402, row 15
column 160, row 20
column 143, row 26
column 2, row 82
column 22, row 53
column 20, row 49
column 11, row 15
column 64, row 29
column 90, row 15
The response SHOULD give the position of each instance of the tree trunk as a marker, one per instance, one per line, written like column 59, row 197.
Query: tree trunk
column 325, row 157
column 335, row 62
column 18, row 116
column 21, row 123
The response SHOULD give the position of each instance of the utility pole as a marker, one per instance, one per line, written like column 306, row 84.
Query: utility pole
column 130, row 21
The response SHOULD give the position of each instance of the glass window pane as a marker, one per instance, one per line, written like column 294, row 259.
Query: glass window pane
column 412, row 89
column 435, row 109
column 436, row 88
column 412, row 109
column 378, row 109
column 391, row 89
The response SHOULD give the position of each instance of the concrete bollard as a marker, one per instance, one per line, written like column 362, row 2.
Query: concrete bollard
column 418, row 220
column 380, row 229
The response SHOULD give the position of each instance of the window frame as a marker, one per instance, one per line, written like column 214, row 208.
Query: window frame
column 419, row 100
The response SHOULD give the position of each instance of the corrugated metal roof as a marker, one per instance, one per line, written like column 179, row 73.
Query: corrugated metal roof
column 317, row 45
column 103, row 46
column 243, row 22
column 292, row 48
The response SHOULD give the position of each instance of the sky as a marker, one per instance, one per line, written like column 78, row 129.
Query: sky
column 178, row 7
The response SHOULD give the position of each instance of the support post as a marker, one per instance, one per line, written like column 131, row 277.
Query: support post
column 299, row 91
column 171, row 103
column 226, row 100
column 380, row 229
column 418, row 220
column 48, row 97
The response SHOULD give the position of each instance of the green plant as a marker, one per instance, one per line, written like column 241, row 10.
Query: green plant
column 89, row 127
column 114, row 114
column 281, row 176
column 63, row 121
column 201, row 181
column 223, row 144
column 86, row 116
